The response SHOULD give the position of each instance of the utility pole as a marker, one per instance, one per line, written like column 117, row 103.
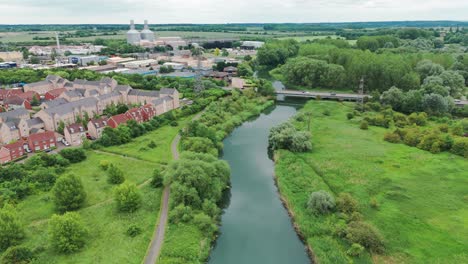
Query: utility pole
column 361, row 93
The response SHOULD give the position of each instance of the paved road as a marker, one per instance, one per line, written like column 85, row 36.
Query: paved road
column 323, row 95
column 158, row 236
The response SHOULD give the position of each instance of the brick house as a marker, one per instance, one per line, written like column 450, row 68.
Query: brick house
column 30, row 96
column 108, row 99
column 136, row 114
column 96, row 126
column 42, row 141
column 53, row 94
column 26, row 125
column 74, row 134
column 53, row 103
column 174, row 94
column 11, row 152
column 149, row 111
column 20, row 113
column 15, row 102
column 5, row 93
column 115, row 121
column 9, row 132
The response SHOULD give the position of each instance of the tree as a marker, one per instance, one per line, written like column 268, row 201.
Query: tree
column 244, row 70
column 217, row 52
column 200, row 145
column 127, row 197
column 74, row 155
column 34, row 60
column 285, row 136
column 158, row 178
column 435, row 104
column 17, row 255
column 67, row 53
column 394, row 98
column 365, row 234
column 67, row 233
column 69, row 193
column 115, row 175
column 204, row 223
column 11, row 230
column 321, row 202
column 454, row 81
column 435, row 84
column 427, row 68
column 346, row 203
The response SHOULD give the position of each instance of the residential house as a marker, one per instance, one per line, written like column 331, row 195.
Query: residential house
column 75, row 134
column 174, row 94
column 136, row 114
column 26, row 126
column 20, row 113
column 136, row 96
column 53, row 103
column 149, row 111
column 16, row 102
column 54, row 94
column 108, row 99
column 9, row 132
column 115, row 121
column 67, row 113
column 96, row 126
column 11, row 152
column 30, row 96
column 50, row 83
column 71, row 96
column 42, row 141
column 238, row 83
column 231, row 70
column 5, row 93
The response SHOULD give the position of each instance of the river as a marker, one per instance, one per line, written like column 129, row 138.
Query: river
column 255, row 226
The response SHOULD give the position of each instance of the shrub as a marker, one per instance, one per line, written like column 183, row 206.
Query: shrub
column 204, row 223
column 104, row 164
column 152, row 144
column 350, row 116
column 67, row 232
column 69, row 193
column 412, row 137
column 115, row 175
column 326, row 112
column 460, row 147
column 127, row 197
column 355, row 250
column 374, row 203
column 74, row 155
column 174, row 123
column 364, row 125
column 444, row 128
column 158, row 178
column 17, row 255
column 392, row 137
column 11, row 230
column 180, row 214
column 133, row 231
column 419, row 119
column 285, row 136
column 321, row 202
column 345, row 203
column 457, row 130
column 429, row 140
column 365, row 234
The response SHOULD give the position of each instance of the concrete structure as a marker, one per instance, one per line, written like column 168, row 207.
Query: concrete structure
column 146, row 33
column 84, row 60
column 75, row 134
column 42, row 141
column 9, row 132
column 96, row 127
column 133, row 36
column 252, row 45
column 238, row 83
column 11, row 152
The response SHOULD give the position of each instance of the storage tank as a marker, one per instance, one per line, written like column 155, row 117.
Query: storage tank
column 133, row 36
column 146, row 33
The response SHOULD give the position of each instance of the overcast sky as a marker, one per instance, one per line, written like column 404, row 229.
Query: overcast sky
column 232, row 11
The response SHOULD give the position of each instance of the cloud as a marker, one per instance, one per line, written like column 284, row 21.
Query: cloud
column 216, row 11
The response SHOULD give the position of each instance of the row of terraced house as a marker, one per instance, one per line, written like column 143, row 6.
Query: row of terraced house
column 66, row 102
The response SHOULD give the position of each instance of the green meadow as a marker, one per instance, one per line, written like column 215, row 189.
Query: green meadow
column 417, row 200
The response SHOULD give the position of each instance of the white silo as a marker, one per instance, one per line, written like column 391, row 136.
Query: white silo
column 133, row 36
column 146, row 33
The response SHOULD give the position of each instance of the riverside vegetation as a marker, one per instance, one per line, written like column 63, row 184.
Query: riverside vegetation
column 355, row 197
column 198, row 180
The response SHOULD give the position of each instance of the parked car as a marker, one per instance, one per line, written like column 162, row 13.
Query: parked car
column 333, row 93
column 65, row 142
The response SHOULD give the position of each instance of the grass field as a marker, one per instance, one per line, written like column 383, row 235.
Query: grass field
column 420, row 199
column 108, row 241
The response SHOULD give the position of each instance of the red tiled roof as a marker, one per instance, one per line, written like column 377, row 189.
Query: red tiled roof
column 120, row 119
column 98, row 123
column 14, row 100
column 56, row 92
column 15, row 145
column 29, row 95
column 42, row 136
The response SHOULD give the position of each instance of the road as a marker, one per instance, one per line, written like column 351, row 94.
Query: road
column 158, row 237
column 323, row 95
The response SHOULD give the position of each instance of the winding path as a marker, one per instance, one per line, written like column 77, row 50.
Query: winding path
column 158, row 237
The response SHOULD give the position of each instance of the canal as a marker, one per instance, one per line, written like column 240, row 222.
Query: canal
column 255, row 226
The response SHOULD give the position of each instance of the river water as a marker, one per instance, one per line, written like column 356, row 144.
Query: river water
column 255, row 226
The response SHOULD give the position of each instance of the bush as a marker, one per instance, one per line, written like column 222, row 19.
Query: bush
column 133, row 231
column 152, row 144
column 74, row 155
column 158, row 178
column 460, row 147
column 181, row 214
column 350, row 116
column 374, row 203
column 345, row 203
column 457, row 130
column 127, row 197
column 174, row 123
column 204, row 223
column 365, row 234
column 285, row 136
column 355, row 250
column 326, row 112
column 444, row 128
column 115, row 175
column 364, row 125
column 392, row 137
column 431, row 142
column 11, row 230
column 17, row 255
column 67, row 232
column 104, row 164
column 69, row 193
column 412, row 137
column 419, row 119
column 321, row 202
